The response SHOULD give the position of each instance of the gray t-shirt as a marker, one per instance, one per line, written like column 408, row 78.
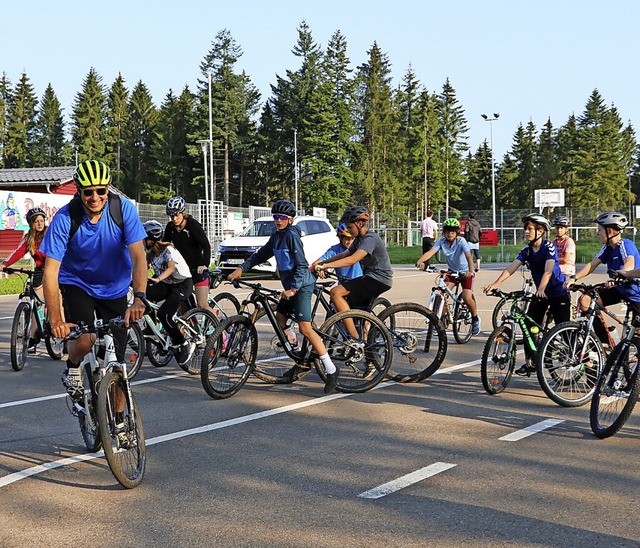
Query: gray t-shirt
column 376, row 263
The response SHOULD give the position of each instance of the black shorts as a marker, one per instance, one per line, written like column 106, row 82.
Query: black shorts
column 611, row 295
column 363, row 290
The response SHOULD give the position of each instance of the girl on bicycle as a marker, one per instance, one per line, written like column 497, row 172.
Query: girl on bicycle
column 189, row 238
column 541, row 257
column 31, row 244
column 171, row 282
column 286, row 245
column 457, row 253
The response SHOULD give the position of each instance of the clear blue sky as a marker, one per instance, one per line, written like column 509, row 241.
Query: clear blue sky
column 525, row 59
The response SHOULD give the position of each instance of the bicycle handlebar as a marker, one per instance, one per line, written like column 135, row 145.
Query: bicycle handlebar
column 256, row 287
column 97, row 326
column 12, row 270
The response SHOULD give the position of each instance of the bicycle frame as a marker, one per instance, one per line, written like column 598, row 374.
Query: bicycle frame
column 449, row 296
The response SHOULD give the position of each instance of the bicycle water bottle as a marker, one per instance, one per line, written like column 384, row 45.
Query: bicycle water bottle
column 613, row 333
column 110, row 358
column 291, row 335
column 535, row 335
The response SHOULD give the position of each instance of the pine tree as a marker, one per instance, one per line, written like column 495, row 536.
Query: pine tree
column 50, row 131
column 5, row 101
column 88, row 119
column 116, row 120
column 476, row 193
column 21, row 127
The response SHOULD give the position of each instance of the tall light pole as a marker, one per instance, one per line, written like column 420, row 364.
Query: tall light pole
column 492, row 119
column 295, row 165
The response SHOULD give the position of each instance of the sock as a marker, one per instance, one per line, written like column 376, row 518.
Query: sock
column 71, row 365
column 329, row 367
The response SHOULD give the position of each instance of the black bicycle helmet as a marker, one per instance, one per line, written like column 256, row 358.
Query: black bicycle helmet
column 154, row 230
column 33, row 213
column 537, row 219
column 612, row 219
column 355, row 213
column 176, row 205
column 283, row 207
column 561, row 220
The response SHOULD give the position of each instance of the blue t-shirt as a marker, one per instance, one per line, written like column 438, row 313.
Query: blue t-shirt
column 536, row 262
column 96, row 259
column 454, row 255
column 353, row 271
column 614, row 259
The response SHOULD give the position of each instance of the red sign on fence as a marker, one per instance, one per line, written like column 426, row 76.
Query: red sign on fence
column 487, row 237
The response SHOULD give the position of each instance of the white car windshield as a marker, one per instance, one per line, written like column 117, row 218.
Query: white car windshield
column 259, row 228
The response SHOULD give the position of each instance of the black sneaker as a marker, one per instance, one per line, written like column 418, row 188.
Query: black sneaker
column 525, row 370
column 331, row 382
column 295, row 373
column 185, row 351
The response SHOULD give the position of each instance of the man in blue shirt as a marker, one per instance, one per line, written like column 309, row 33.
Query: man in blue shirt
column 94, row 268
column 457, row 254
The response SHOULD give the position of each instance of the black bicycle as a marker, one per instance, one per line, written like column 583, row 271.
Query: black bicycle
column 30, row 307
column 232, row 351
column 108, row 414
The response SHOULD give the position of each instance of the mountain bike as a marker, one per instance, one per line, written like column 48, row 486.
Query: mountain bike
column 499, row 354
column 571, row 355
column 231, row 352
column 616, row 390
column 448, row 306
column 108, row 414
column 30, row 307
column 419, row 339
column 197, row 324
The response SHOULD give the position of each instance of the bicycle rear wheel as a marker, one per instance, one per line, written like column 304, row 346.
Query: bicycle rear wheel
column 616, row 391
column 379, row 305
column 362, row 362
column 419, row 341
column 224, row 305
column 55, row 347
column 200, row 326
column 228, row 357
column 20, row 336
column 88, row 418
column 121, row 433
column 565, row 378
column 134, row 351
column 498, row 360
column 461, row 323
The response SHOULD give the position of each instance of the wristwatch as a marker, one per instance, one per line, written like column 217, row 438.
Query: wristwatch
column 140, row 295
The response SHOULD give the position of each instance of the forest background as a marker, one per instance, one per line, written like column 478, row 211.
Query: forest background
column 356, row 136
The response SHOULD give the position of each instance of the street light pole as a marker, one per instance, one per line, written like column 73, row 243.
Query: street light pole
column 295, row 165
column 492, row 119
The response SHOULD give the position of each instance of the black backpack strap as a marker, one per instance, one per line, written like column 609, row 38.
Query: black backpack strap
column 77, row 213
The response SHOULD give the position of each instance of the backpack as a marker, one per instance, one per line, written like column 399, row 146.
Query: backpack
column 76, row 212
column 472, row 231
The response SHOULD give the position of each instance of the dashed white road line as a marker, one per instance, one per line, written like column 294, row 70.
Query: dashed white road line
column 531, row 430
column 406, row 481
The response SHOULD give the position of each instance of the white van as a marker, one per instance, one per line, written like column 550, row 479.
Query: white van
column 318, row 235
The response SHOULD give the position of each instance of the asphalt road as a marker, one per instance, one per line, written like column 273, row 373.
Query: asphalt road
column 439, row 463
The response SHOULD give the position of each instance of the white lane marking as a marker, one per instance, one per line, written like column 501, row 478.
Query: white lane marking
column 406, row 481
column 531, row 430
column 22, row 474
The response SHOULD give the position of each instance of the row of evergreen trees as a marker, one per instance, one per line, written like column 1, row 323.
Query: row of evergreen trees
column 358, row 139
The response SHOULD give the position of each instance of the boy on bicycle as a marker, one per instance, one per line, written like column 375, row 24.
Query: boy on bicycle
column 541, row 257
column 286, row 245
column 619, row 254
column 346, row 239
column 457, row 254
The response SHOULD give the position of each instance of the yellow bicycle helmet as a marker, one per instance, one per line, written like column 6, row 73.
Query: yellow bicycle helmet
column 92, row 173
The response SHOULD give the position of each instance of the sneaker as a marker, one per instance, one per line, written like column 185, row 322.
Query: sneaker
column 475, row 326
column 295, row 373
column 185, row 351
column 121, row 434
column 369, row 371
column 31, row 347
column 72, row 381
column 525, row 370
column 331, row 382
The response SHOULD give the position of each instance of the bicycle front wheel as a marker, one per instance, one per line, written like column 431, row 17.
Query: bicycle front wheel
column 88, row 418
column 224, row 305
column 121, row 431
column 134, row 351
column 616, row 391
column 461, row 323
column 419, row 341
column 199, row 326
column 229, row 357
column 55, row 347
column 20, row 336
column 363, row 361
column 498, row 360
column 565, row 378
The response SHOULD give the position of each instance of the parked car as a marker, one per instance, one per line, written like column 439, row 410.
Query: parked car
column 318, row 235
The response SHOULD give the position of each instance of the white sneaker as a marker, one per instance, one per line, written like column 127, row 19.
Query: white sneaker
column 72, row 381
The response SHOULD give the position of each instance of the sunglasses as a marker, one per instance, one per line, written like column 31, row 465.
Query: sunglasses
column 88, row 192
column 279, row 217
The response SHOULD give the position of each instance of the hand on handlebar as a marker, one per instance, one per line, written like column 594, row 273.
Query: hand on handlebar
column 235, row 274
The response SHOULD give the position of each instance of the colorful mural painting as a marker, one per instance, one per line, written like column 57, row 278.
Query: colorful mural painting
column 14, row 207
